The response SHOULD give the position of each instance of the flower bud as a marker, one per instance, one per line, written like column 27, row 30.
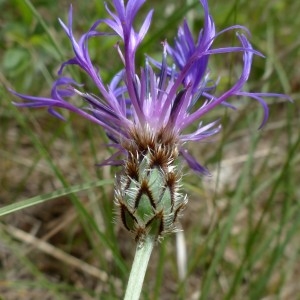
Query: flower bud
column 147, row 191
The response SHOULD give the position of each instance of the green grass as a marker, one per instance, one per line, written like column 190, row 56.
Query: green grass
column 241, row 225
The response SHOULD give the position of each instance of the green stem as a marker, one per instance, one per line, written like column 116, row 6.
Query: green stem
column 138, row 269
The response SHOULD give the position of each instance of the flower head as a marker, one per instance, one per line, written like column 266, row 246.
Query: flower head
column 146, row 112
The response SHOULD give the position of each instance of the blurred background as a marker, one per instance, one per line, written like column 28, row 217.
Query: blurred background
column 242, row 224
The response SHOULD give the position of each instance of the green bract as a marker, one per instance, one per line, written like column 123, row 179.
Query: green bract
column 147, row 192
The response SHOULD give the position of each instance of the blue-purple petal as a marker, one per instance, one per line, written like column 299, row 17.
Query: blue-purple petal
column 171, row 99
column 193, row 164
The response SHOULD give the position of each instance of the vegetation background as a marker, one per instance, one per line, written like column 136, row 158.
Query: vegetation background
column 242, row 225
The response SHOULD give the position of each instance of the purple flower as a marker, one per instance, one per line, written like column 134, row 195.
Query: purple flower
column 171, row 100
column 146, row 112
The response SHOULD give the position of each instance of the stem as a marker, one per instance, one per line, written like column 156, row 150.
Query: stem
column 138, row 269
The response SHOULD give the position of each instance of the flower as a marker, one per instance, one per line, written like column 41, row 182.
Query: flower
column 146, row 114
